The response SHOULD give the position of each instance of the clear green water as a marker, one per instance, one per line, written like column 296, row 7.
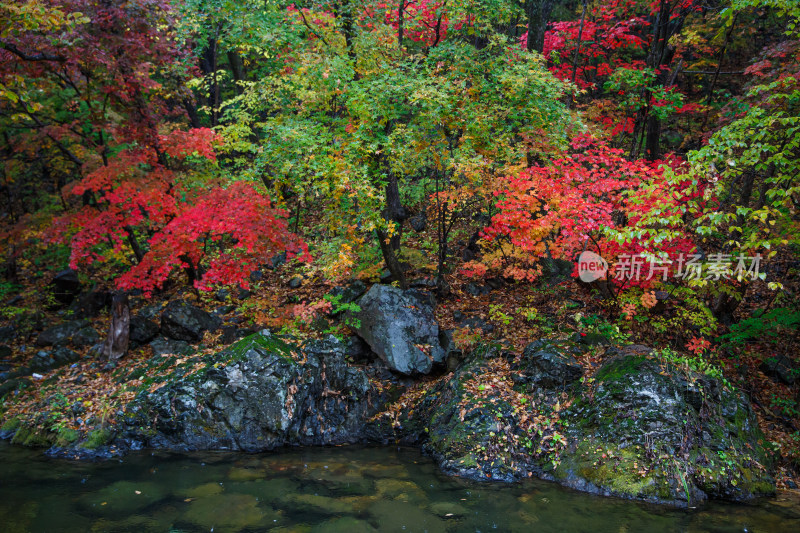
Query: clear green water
column 324, row 490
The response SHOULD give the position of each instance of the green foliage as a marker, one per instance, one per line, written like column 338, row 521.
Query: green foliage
column 600, row 326
column 635, row 84
column 699, row 364
column 346, row 309
column 763, row 326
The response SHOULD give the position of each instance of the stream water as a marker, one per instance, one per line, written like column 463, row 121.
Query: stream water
column 346, row 489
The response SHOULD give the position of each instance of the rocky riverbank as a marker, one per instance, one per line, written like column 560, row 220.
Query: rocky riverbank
column 639, row 426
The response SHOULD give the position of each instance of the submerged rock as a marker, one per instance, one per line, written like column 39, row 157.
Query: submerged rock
column 122, row 498
column 260, row 393
column 400, row 328
column 229, row 512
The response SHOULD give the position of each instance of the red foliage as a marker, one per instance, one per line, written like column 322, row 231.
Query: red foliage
column 567, row 206
column 239, row 219
column 136, row 192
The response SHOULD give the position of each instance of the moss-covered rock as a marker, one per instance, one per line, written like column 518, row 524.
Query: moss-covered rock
column 651, row 431
column 472, row 429
column 260, row 393
column 122, row 498
column 97, row 437
column 66, row 436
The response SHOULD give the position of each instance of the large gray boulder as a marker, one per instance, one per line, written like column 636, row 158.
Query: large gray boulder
column 642, row 429
column 400, row 328
column 652, row 430
column 261, row 393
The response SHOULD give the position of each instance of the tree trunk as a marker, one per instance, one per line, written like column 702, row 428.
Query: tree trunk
column 538, row 12
column 116, row 344
column 390, row 257
column 237, row 70
column 394, row 209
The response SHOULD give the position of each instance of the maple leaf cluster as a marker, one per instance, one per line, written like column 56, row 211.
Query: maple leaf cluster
column 221, row 234
column 578, row 201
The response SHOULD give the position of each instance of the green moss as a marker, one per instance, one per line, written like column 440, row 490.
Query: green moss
column 620, row 367
column 270, row 344
column 21, row 435
column 624, row 471
column 97, row 438
column 11, row 425
column 66, row 436
column 31, row 437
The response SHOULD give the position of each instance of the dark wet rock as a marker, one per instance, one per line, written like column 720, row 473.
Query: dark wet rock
column 91, row 304
column 164, row 346
column 256, row 275
column 61, row 334
column 260, row 393
column 495, row 283
column 418, row 223
column 244, row 294
column 475, row 323
column 224, row 310
column 398, row 325
column 459, row 430
column 477, row 290
column 543, row 366
column 556, row 268
column 653, row 431
column 423, row 283
column 7, row 333
column 151, row 312
column 47, row 360
column 143, row 330
column 222, row 295
column 87, row 336
column 351, row 293
column 781, row 368
column 5, row 351
column 183, row 321
column 66, row 286
column 296, row 282
column 8, row 387
column 228, row 334
column 277, row 260
column 356, row 349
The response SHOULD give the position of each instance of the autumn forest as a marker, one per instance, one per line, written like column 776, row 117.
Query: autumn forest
column 550, row 239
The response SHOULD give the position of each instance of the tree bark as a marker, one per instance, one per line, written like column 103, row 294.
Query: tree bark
column 390, row 257
column 538, row 13
column 116, row 344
